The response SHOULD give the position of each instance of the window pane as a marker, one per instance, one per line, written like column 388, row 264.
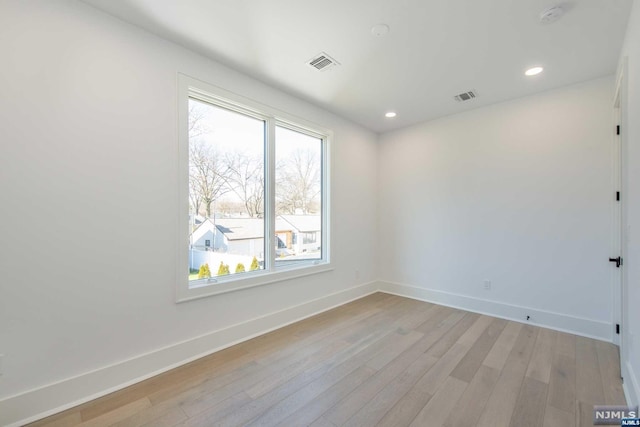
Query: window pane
column 226, row 191
column 298, row 196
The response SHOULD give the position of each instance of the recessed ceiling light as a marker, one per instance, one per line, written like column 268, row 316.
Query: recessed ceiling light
column 380, row 30
column 533, row 71
column 390, row 115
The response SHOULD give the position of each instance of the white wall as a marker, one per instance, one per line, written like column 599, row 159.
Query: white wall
column 88, row 144
column 631, row 203
column 517, row 193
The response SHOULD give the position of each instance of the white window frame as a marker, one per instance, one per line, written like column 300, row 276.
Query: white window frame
column 189, row 290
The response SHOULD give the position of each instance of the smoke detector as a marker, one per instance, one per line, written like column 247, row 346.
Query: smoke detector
column 465, row 96
column 322, row 62
column 552, row 14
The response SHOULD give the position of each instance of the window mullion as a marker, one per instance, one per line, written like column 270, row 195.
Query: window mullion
column 325, row 207
column 270, row 194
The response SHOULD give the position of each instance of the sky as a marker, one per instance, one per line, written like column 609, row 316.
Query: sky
column 229, row 131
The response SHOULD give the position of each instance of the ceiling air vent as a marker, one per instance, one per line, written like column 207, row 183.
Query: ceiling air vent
column 465, row 96
column 322, row 62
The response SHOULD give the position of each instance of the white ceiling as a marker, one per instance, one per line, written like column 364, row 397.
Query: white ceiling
column 435, row 49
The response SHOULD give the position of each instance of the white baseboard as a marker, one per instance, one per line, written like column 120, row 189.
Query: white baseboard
column 561, row 322
column 47, row 400
column 631, row 385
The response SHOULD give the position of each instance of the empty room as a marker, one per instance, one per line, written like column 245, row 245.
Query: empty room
column 337, row 213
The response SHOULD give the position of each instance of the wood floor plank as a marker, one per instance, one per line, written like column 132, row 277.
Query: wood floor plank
column 173, row 382
column 453, row 336
column 327, row 399
column 208, row 378
column 584, row 414
column 168, row 419
column 283, row 375
column 438, row 324
column 331, row 328
column 589, row 389
column 474, row 332
column 501, row 403
column 211, row 391
column 554, row 417
column 340, row 413
column 322, row 422
column 566, row 344
column 382, row 360
column 434, row 378
column 418, row 316
column 388, row 354
column 406, row 410
column 214, row 394
column 562, row 383
column 450, row 360
column 441, row 404
column 472, row 402
column 282, row 409
column 530, row 406
column 266, row 401
column 588, row 381
column 609, row 362
column 386, row 319
column 121, row 413
column 421, row 392
column 212, row 414
column 346, row 408
column 381, row 403
column 499, row 353
column 64, row 419
column 164, row 413
column 540, row 364
column 468, row 366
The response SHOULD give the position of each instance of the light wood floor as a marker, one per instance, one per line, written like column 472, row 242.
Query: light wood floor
column 379, row 361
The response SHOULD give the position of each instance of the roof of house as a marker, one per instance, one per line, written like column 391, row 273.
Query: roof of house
column 304, row 223
column 247, row 228
column 205, row 226
column 241, row 228
column 253, row 228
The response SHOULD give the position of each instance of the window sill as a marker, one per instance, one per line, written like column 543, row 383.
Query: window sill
column 231, row 285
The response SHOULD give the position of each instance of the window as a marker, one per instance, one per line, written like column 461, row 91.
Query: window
column 309, row 238
column 252, row 179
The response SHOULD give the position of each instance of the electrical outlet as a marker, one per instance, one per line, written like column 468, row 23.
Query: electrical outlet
column 487, row 285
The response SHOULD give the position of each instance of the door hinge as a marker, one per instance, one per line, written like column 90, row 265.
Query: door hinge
column 618, row 130
column 618, row 261
column 617, row 196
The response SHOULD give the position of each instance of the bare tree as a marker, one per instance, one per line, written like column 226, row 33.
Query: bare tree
column 196, row 128
column 229, row 207
column 208, row 173
column 246, row 179
column 197, row 125
column 298, row 183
